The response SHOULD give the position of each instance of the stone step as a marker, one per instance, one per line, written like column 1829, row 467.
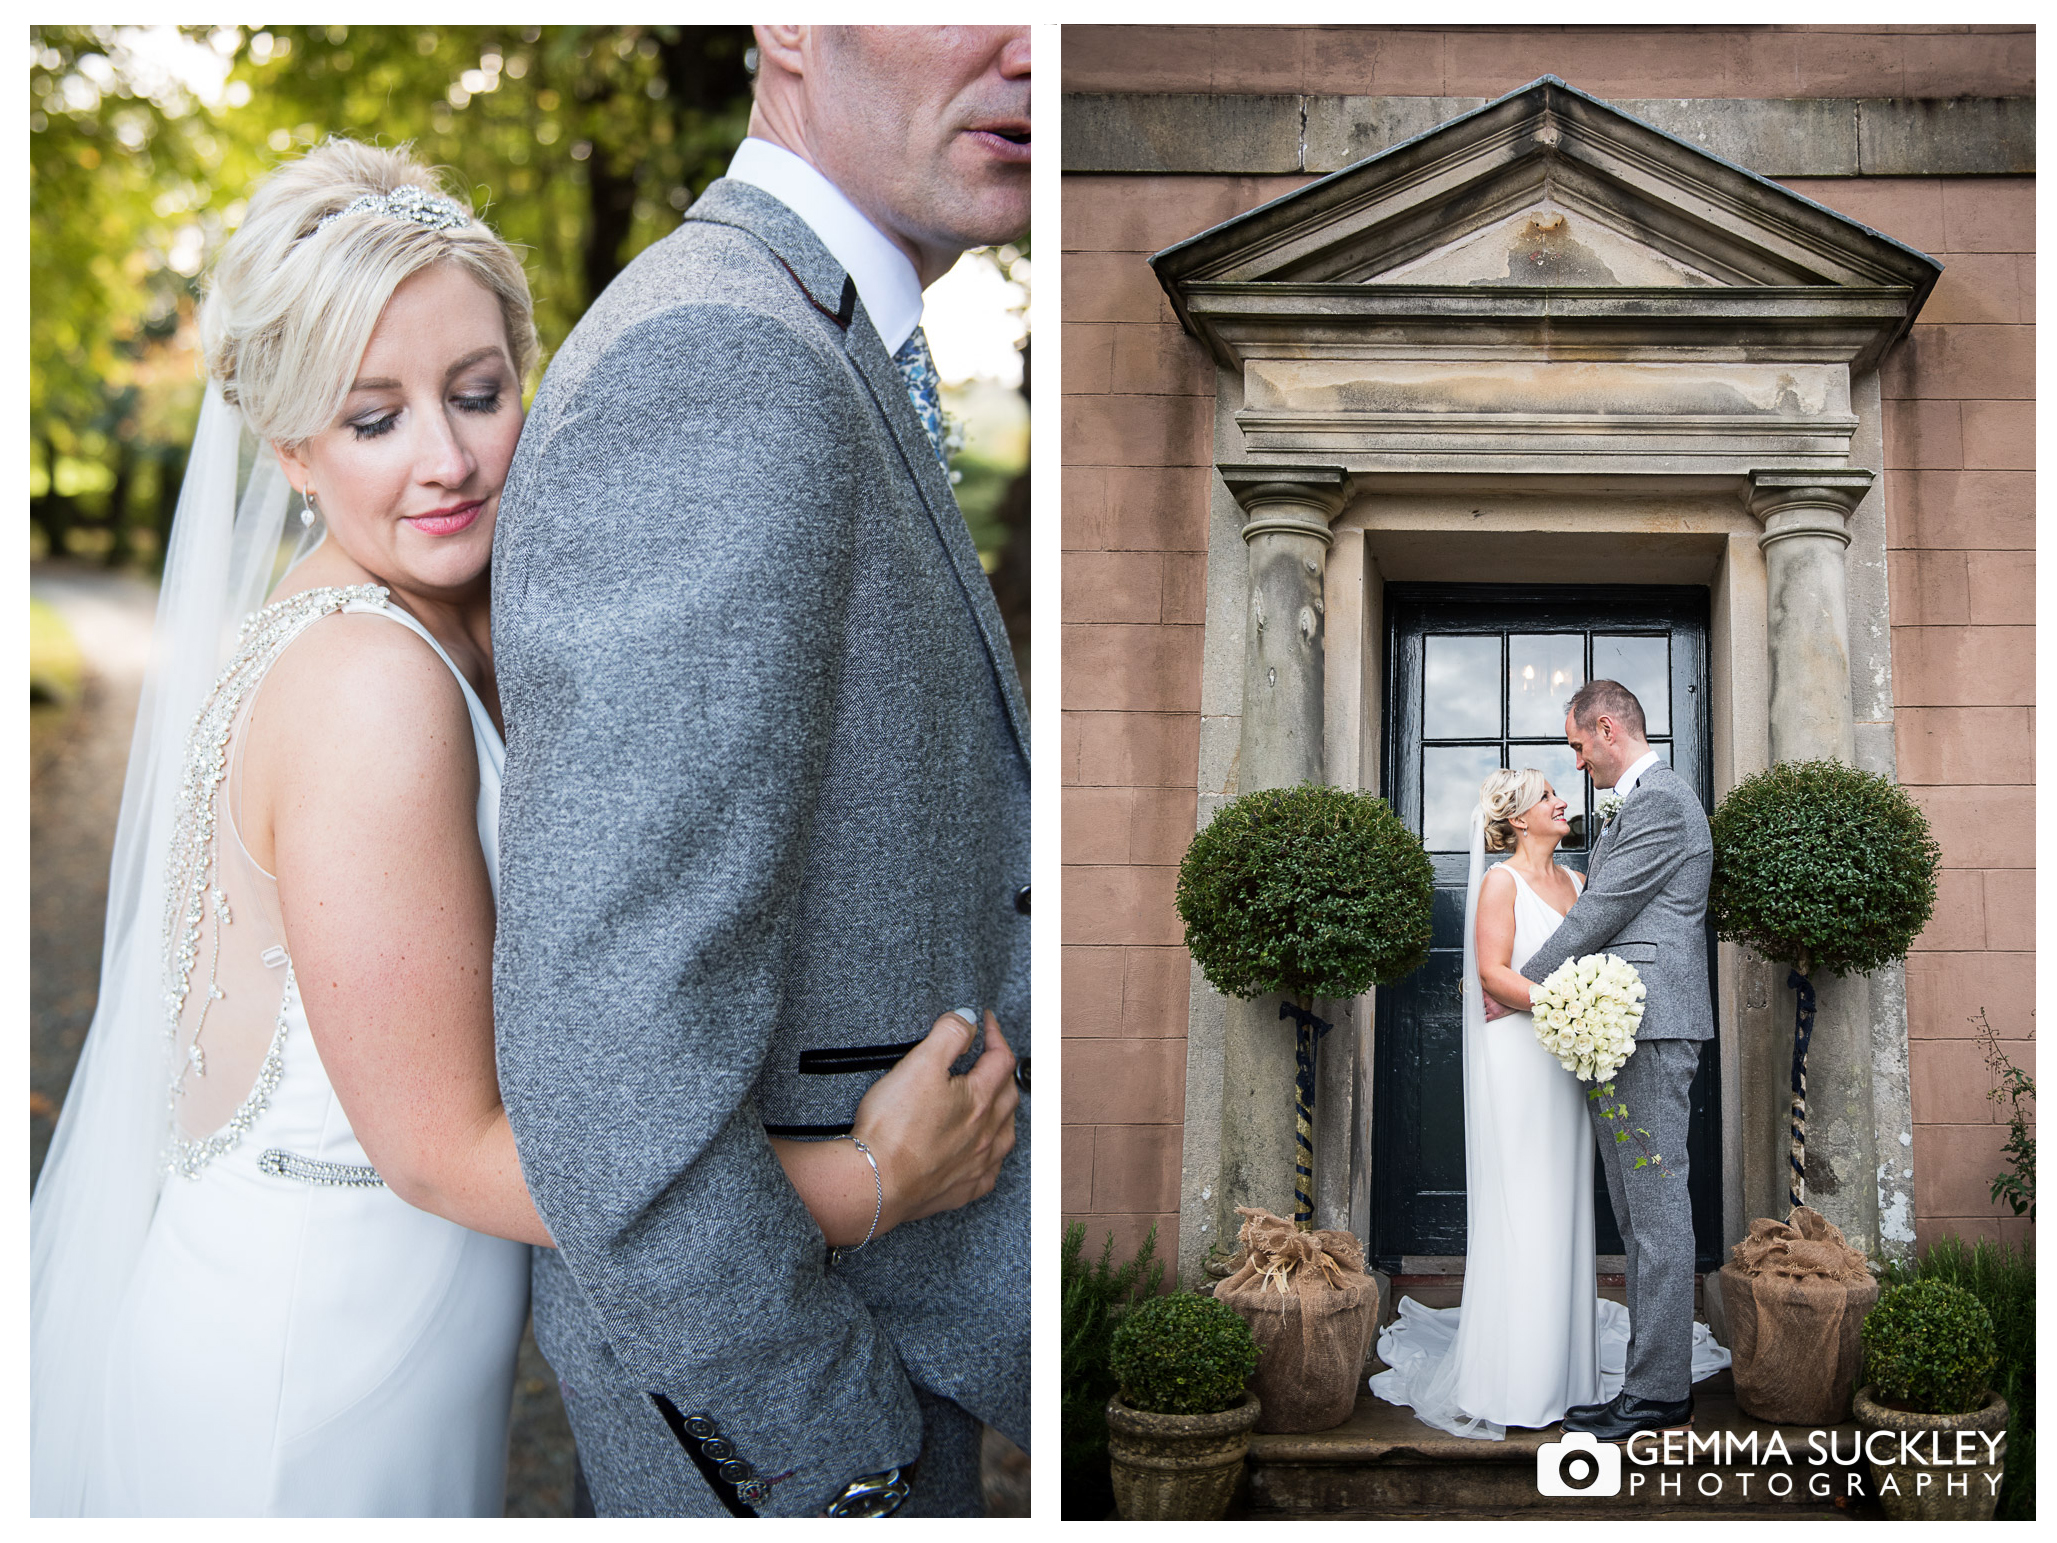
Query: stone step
column 1384, row 1463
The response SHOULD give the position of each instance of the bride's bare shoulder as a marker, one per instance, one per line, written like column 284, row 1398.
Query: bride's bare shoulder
column 358, row 687
column 356, row 661
column 1497, row 885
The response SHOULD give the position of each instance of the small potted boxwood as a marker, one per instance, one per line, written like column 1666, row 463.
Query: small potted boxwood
column 1311, row 891
column 1179, row 1425
column 1820, row 866
column 1929, row 1358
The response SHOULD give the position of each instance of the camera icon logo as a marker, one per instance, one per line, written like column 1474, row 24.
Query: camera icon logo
column 1578, row 1465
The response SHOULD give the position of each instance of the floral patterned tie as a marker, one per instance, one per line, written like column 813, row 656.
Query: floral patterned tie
column 924, row 389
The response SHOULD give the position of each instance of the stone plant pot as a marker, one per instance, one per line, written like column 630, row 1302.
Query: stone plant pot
column 1177, row 1467
column 1923, row 1494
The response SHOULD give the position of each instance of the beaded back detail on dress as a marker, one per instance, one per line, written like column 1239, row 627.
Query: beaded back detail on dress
column 198, row 913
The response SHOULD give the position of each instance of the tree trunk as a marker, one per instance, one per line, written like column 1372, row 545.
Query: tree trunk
column 53, row 512
column 611, row 201
column 120, row 548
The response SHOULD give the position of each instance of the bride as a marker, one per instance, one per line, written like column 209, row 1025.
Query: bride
column 278, row 1261
column 1522, row 1348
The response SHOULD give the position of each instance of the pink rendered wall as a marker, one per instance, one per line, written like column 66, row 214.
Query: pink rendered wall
column 1686, row 61
column 1138, row 414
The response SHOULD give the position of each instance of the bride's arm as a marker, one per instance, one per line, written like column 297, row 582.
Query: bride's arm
column 361, row 755
column 938, row 1140
column 1496, row 942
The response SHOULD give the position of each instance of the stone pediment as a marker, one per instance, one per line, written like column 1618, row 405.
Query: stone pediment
column 1548, row 194
column 1549, row 282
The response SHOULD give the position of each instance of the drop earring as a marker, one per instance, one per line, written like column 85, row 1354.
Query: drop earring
column 310, row 509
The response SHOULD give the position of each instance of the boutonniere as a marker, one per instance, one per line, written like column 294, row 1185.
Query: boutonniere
column 1609, row 806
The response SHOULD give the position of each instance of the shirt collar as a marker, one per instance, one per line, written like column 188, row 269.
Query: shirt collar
column 886, row 281
column 1628, row 779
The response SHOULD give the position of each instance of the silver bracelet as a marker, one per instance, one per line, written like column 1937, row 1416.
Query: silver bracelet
column 878, row 1210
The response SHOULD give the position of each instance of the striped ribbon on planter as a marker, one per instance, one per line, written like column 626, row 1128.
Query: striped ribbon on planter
column 1803, row 1032
column 1306, row 1030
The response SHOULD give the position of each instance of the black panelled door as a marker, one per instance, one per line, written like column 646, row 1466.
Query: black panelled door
column 1476, row 678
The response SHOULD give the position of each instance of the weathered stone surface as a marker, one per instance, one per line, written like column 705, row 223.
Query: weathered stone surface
column 1773, row 136
column 1182, row 133
column 1788, row 137
column 1343, row 130
column 1947, row 137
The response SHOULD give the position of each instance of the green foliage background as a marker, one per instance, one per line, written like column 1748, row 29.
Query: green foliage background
column 1094, row 1298
column 582, row 144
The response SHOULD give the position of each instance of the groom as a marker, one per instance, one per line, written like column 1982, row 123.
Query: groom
column 766, row 806
column 1645, row 900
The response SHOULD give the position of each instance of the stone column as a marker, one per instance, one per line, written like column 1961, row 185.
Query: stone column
column 1805, row 515
column 1286, row 514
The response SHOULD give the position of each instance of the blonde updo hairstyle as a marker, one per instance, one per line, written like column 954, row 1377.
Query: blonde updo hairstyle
column 1504, row 795
column 291, row 304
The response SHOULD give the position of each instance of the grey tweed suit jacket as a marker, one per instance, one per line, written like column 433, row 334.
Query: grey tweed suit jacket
column 765, row 817
column 1646, row 900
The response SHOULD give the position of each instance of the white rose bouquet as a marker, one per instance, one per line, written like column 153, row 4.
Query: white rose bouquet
column 1586, row 1014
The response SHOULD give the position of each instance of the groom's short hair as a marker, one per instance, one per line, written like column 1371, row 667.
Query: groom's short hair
column 1610, row 697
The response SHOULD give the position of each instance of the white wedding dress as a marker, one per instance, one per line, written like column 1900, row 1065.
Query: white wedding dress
column 1523, row 1347
column 295, row 1340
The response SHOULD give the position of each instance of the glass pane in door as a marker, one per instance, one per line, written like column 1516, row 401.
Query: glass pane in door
column 1461, row 688
column 1644, row 666
column 1450, row 776
column 1543, row 670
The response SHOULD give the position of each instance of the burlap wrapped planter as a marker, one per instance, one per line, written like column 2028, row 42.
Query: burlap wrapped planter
column 1795, row 1297
column 1919, row 1493
column 1177, row 1467
column 1312, row 1310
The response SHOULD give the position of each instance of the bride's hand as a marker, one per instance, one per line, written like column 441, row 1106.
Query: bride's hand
column 939, row 1140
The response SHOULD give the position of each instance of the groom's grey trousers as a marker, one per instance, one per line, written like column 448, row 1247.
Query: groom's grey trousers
column 1646, row 900
column 765, row 818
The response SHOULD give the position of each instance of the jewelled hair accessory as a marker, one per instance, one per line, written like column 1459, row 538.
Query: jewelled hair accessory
column 406, row 202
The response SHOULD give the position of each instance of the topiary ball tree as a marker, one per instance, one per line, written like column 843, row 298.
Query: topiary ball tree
column 1929, row 1346
column 1822, row 867
column 1311, row 891
column 1183, row 1354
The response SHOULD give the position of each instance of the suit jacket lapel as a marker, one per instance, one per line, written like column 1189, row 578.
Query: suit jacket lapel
column 829, row 290
column 1599, row 857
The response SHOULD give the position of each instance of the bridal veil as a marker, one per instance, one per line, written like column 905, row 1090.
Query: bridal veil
column 100, row 1182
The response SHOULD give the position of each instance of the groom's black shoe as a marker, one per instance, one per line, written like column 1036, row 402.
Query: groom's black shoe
column 1626, row 1417
column 1588, row 1411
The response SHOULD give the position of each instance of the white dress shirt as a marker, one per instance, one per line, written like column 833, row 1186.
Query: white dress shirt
column 886, row 281
column 1626, row 782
